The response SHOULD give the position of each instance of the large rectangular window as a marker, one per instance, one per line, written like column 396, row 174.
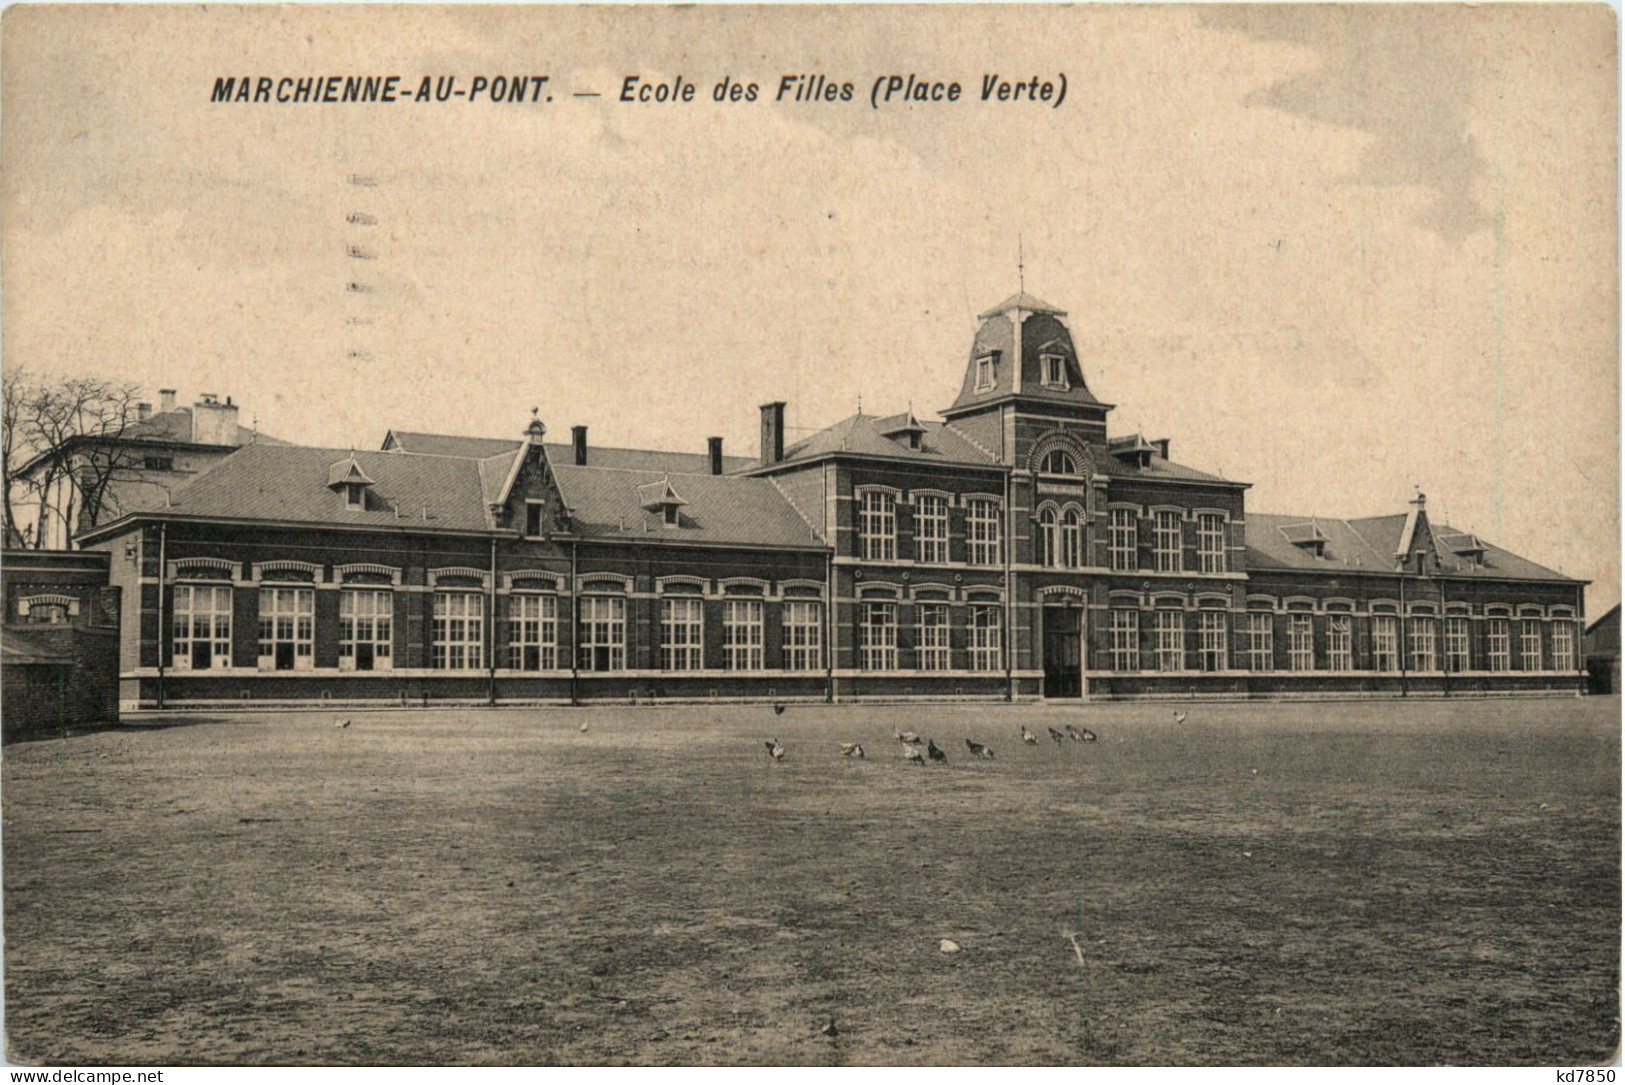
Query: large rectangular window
column 803, row 635
column 1529, row 646
column 1125, row 540
column 1214, row 648
column 1456, row 646
column 931, row 529
column 742, row 634
column 1562, row 646
column 1423, row 639
column 933, row 646
column 1125, row 631
column 1169, row 542
column 287, row 629
column 1260, row 642
column 1071, row 539
column 1300, row 644
column 1170, row 627
column 982, row 531
column 682, row 633
column 459, row 631
column 1385, row 643
column 1500, row 637
column 533, row 632
column 1339, row 642
column 877, row 637
column 202, row 626
column 601, row 633
column 877, row 524
column 366, row 625
column 985, row 626
column 1210, row 542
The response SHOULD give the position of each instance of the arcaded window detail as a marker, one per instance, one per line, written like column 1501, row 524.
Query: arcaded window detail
column 1212, row 643
column 985, row 642
column 1260, row 642
column 1071, row 540
column 803, row 635
column 933, row 646
column 1423, row 639
column 742, row 634
column 1529, row 646
column 931, row 529
column 1500, row 638
column 459, row 631
column 877, row 648
column 1125, row 633
column 202, row 627
column 682, row 633
column 1125, row 529
column 982, row 530
column 1210, row 542
column 1170, row 640
column 287, row 629
column 366, row 626
column 1385, row 643
column 1562, row 646
column 1339, row 642
column 1456, row 650
column 878, row 525
column 533, row 632
column 1168, row 542
column 1300, row 644
column 1047, row 538
column 1059, row 462
column 602, row 633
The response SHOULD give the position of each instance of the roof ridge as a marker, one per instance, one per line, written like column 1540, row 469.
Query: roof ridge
column 788, row 500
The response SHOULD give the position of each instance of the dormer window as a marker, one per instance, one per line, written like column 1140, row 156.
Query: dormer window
column 355, row 495
column 987, row 372
column 1054, row 371
column 347, row 477
column 533, row 519
column 673, row 517
column 661, row 498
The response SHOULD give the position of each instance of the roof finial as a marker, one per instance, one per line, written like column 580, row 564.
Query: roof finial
column 860, row 402
column 1021, row 265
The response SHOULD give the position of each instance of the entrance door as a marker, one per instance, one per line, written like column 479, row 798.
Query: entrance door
column 1063, row 652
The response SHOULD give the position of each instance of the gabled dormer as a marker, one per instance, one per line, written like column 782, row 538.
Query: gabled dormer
column 1417, row 552
column 661, row 498
column 347, row 477
column 1135, row 451
column 1308, row 537
column 904, row 429
column 1465, row 546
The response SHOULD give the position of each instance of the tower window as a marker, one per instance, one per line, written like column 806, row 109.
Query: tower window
column 986, row 372
column 1059, row 462
column 1054, row 367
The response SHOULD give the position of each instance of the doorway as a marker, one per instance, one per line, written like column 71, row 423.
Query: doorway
column 1063, row 652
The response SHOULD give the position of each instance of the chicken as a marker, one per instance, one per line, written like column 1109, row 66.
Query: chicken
column 906, row 736
column 1057, row 736
column 978, row 750
column 934, row 753
column 1028, row 737
column 913, row 755
column 775, row 749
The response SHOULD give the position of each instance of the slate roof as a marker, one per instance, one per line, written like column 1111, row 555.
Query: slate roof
column 1022, row 300
column 866, row 434
column 1370, row 544
column 442, row 444
column 604, row 502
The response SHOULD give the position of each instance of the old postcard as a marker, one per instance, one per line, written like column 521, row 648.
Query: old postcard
column 814, row 535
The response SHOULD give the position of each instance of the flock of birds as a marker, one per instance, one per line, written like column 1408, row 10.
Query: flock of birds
column 910, row 741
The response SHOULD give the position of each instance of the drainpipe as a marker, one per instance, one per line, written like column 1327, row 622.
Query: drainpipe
column 491, row 631
column 575, row 625
column 1404, row 640
column 829, row 625
column 163, row 626
column 1010, row 577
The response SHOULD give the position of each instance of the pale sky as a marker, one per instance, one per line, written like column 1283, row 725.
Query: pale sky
column 1335, row 252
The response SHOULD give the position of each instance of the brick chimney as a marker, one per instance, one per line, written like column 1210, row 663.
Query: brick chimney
column 714, row 447
column 772, row 433
column 143, row 411
column 213, row 422
column 578, row 438
column 166, row 400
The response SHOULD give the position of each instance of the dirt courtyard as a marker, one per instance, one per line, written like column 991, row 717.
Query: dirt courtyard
column 1414, row 883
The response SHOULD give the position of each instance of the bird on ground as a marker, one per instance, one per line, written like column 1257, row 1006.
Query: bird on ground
column 1179, row 717
column 906, row 736
column 934, row 753
column 852, row 749
column 1028, row 737
column 1085, row 735
column 583, row 726
column 978, row 750
column 775, row 749
column 912, row 754
column 830, row 1029
column 778, row 710
column 342, row 723
column 1057, row 736
column 1073, row 733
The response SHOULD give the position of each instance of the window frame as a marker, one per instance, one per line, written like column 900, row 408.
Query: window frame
column 218, row 637
column 533, row 639
column 1422, row 643
column 1123, row 540
column 1498, row 641
column 931, row 547
column 1123, row 630
column 877, row 639
column 802, row 637
column 1385, row 645
column 877, row 524
column 1339, row 642
column 1168, row 625
column 1530, row 632
column 1300, row 643
column 934, row 647
column 376, row 648
column 744, row 634
column 682, row 633
column 1457, row 645
column 986, row 639
column 596, row 640
column 468, row 646
column 1168, row 524
column 1210, row 542
column 984, row 535
column 1261, row 641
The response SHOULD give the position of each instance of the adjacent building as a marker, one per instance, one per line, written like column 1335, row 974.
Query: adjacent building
column 1013, row 549
column 59, row 661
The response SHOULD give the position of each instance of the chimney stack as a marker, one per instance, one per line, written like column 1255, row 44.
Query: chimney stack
column 213, row 422
column 578, row 438
column 143, row 411
column 166, row 400
column 714, row 446
column 772, row 432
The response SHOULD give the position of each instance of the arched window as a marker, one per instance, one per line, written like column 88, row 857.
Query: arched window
column 1047, row 551
column 1072, row 539
column 1059, row 462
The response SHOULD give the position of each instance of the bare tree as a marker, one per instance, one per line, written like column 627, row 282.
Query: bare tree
column 64, row 447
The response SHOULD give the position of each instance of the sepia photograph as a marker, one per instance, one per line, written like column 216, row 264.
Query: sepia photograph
column 814, row 535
